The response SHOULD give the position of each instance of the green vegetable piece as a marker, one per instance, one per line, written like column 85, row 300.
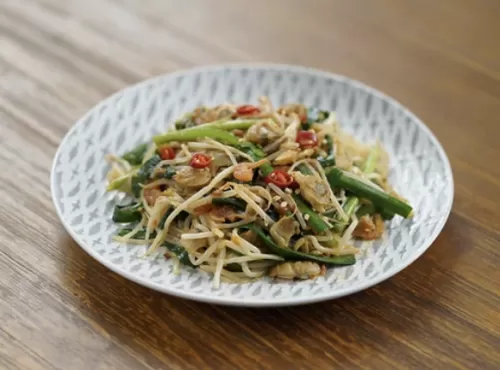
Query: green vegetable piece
column 370, row 209
column 306, row 125
column 120, row 184
column 125, row 230
column 180, row 216
column 179, row 252
column 314, row 115
column 253, row 150
column 266, row 169
column 135, row 156
column 315, row 221
column 168, row 174
column 386, row 215
column 317, row 224
column 184, row 122
column 365, row 209
column 303, row 169
column 350, row 205
column 163, row 219
column 127, row 213
column 144, row 174
column 371, row 161
column 256, row 152
column 194, row 133
column 323, row 115
column 352, row 202
column 329, row 160
column 291, row 255
column 237, row 203
column 139, row 235
column 224, row 124
column 340, row 179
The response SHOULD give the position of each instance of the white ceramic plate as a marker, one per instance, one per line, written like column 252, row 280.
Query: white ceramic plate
column 420, row 171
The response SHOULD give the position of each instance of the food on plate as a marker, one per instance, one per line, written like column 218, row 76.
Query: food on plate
column 246, row 191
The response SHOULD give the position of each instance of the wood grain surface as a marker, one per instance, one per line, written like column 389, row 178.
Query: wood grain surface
column 60, row 309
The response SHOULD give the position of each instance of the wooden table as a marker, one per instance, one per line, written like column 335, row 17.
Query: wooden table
column 60, row 309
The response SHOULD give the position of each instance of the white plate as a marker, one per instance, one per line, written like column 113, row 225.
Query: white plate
column 420, row 171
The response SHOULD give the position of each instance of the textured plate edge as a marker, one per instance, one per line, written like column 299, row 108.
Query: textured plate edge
column 259, row 302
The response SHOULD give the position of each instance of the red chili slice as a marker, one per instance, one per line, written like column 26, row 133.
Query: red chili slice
column 167, row 153
column 200, row 160
column 307, row 139
column 280, row 179
column 246, row 110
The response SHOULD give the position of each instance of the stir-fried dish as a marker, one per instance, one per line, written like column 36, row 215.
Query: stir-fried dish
column 248, row 191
